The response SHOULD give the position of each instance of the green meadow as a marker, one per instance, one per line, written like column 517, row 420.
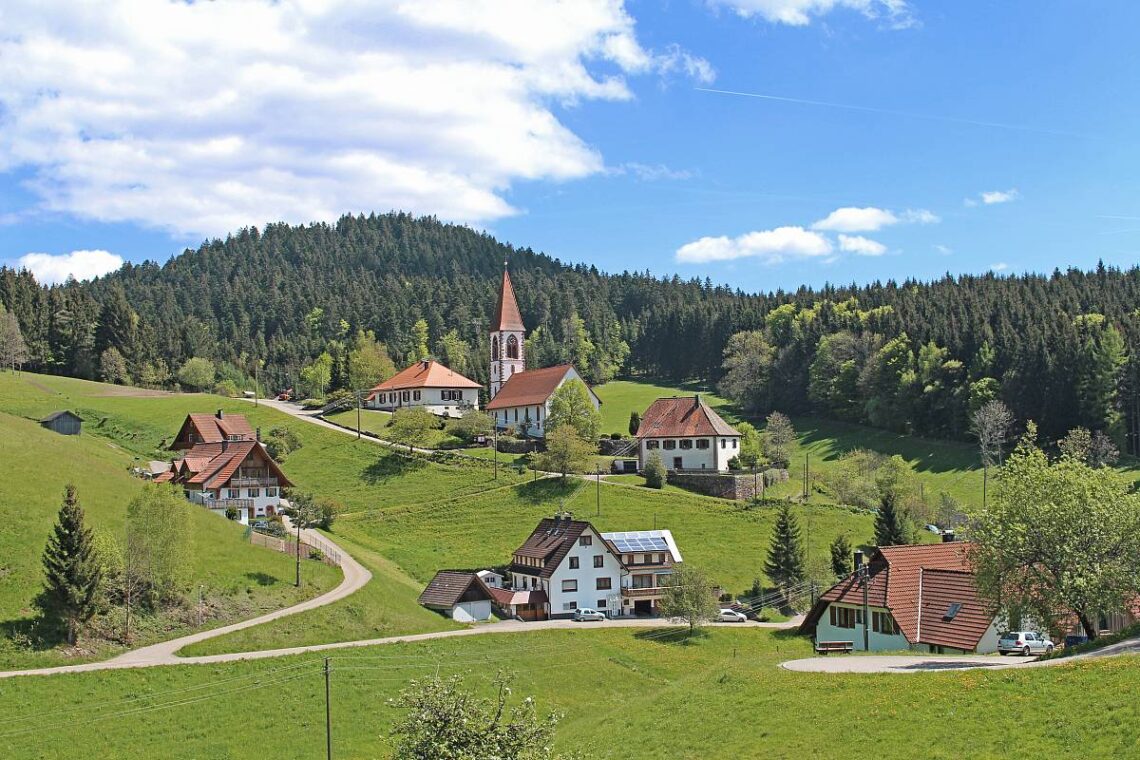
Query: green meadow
column 623, row 693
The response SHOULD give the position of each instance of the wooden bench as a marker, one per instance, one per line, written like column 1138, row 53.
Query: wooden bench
column 825, row 647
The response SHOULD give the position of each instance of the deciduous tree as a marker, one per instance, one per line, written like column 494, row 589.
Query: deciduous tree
column 570, row 404
column 779, row 435
column 689, row 597
column 566, row 452
column 411, row 426
column 197, row 374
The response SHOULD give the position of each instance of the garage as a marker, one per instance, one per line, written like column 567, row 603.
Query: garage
column 459, row 595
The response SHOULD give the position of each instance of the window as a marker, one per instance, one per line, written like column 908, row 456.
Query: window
column 405, row 396
column 573, row 563
column 702, row 443
column 570, row 585
column 601, row 605
column 271, row 491
column 952, row 611
column 512, row 347
column 652, row 444
column 599, row 560
column 233, row 493
column 568, row 606
column 585, row 540
column 882, row 622
column 254, row 493
column 668, row 445
column 495, row 349
column 845, row 617
column 734, row 443
column 516, row 415
column 686, row 443
column 415, row 395
column 604, row 584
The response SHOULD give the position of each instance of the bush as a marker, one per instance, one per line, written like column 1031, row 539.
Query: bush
column 615, row 436
column 281, row 442
column 226, row 388
column 655, row 471
column 772, row 476
column 734, row 463
column 312, row 403
column 232, row 513
column 339, row 395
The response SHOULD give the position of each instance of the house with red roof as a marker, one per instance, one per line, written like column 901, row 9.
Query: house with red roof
column 520, row 397
column 429, row 384
column 223, row 465
column 920, row 597
column 687, row 434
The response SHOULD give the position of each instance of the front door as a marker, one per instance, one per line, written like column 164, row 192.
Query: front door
column 677, row 463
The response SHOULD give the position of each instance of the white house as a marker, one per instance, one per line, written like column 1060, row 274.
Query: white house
column 919, row 597
column 566, row 565
column 520, row 398
column 428, row 384
column 687, row 434
column 223, row 465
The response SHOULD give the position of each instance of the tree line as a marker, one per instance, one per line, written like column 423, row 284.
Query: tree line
column 1060, row 349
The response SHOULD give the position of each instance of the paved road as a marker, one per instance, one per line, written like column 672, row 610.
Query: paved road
column 163, row 653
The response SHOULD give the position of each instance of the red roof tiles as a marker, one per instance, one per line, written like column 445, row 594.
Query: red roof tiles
column 424, row 374
column 551, row 541
column 448, row 588
column 940, row 590
column 682, row 417
column 212, row 428
column 531, row 387
column 507, row 315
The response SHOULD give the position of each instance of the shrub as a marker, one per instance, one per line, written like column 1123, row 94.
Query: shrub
column 281, row 442
column 655, row 471
column 734, row 463
column 232, row 513
column 339, row 395
column 226, row 388
column 615, row 436
column 772, row 476
column 312, row 403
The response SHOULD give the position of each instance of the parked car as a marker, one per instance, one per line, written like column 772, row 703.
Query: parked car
column 585, row 613
column 934, row 529
column 732, row 616
column 1024, row 642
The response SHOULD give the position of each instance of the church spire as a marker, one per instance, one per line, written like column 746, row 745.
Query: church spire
column 507, row 315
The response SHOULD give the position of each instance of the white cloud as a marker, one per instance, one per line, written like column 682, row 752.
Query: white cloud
column 896, row 13
column 861, row 245
column 1000, row 196
column 920, row 216
column 1000, row 266
column 945, row 250
column 651, row 172
column 770, row 246
column 49, row 268
column 204, row 117
column 851, row 219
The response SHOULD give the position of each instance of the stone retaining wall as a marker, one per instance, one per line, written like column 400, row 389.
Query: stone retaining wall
column 721, row 485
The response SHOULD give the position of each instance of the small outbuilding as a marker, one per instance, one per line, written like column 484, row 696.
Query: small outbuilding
column 63, row 422
column 461, row 596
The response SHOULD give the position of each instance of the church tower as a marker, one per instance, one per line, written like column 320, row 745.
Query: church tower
column 507, row 336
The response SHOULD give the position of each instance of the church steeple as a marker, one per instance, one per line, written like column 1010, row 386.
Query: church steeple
column 507, row 336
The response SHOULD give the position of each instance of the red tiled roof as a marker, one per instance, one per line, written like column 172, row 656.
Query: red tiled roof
column 551, row 541
column 448, row 587
column 940, row 590
column 507, row 315
column 210, row 428
column 530, row 387
column 424, row 374
column 894, row 580
column 216, row 471
column 505, row 597
column 682, row 417
column 164, row 477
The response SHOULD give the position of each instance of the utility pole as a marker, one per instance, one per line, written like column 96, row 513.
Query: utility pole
column 199, row 605
column 297, row 517
column 358, row 415
column 256, row 381
column 328, row 715
column 495, row 441
column 864, row 581
column 599, row 490
column 807, row 474
column 130, row 583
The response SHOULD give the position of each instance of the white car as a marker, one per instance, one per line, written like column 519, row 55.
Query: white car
column 586, row 613
column 1024, row 642
column 732, row 616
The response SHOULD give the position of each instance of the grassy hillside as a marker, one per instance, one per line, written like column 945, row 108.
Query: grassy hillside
column 620, row 397
column 723, row 694
column 240, row 580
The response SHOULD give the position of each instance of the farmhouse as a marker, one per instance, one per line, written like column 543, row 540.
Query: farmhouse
column 428, row 384
column 463, row 597
column 567, row 565
column 687, row 434
column 920, row 597
column 520, row 398
column 63, row 422
column 223, row 466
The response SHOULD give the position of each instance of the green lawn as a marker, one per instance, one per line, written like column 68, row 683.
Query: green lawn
column 240, row 580
column 620, row 397
column 623, row 694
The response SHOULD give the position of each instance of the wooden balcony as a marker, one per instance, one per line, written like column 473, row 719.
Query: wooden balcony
column 227, row 503
column 242, row 482
column 643, row 593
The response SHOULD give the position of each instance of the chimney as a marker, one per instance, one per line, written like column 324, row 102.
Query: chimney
column 858, row 560
column 220, row 414
column 696, row 400
column 947, row 536
column 257, row 433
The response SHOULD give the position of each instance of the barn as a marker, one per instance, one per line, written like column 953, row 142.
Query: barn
column 63, row 422
column 461, row 596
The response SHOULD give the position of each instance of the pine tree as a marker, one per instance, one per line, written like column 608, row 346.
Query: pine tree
column 841, row 556
column 634, row 422
column 785, row 564
column 71, row 569
column 889, row 527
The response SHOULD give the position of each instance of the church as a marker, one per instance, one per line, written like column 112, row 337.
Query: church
column 520, row 397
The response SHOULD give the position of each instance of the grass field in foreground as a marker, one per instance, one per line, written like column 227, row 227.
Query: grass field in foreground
column 624, row 693
column 240, row 580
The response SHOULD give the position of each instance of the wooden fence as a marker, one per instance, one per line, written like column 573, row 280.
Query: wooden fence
column 328, row 554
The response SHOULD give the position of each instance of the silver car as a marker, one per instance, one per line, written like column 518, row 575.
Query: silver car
column 1024, row 642
column 586, row 613
column 732, row 616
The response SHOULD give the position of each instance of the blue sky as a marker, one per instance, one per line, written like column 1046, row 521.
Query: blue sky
column 894, row 140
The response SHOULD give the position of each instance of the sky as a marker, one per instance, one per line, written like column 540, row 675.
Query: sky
column 766, row 144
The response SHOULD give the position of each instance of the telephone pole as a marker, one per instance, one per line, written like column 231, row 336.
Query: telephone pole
column 328, row 715
column 297, row 517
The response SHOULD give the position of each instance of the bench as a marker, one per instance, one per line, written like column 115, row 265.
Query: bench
column 825, row 647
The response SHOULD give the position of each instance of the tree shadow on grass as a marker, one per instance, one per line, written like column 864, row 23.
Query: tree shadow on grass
column 34, row 633
column 672, row 635
column 262, row 579
column 546, row 491
column 389, row 468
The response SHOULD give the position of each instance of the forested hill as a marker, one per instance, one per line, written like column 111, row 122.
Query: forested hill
column 909, row 356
